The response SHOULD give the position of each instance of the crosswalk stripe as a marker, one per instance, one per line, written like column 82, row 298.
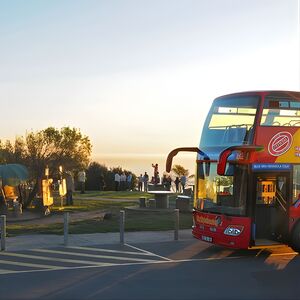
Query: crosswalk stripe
column 148, row 252
column 90, row 255
column 74, row 261
column 5, row 271
column 18, row 263
column 110, row 251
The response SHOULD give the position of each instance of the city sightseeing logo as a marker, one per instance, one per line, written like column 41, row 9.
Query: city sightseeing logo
column 280, row 143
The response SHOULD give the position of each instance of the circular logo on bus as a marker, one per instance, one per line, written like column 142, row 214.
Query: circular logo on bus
column 280, row 143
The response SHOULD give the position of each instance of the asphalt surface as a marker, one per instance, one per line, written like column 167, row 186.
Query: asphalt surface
column 144, row 269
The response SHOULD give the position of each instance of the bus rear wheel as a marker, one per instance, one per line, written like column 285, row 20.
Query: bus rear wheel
column 296, row 238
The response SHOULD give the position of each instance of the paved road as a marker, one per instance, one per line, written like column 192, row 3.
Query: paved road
column 187, row 269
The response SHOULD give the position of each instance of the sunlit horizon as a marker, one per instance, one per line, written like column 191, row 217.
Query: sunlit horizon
column 138, row 78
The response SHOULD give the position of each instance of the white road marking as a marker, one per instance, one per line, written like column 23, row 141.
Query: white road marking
column 90, row 255
column 18, row 263
column 47, row 268
column 5, row 271
column 74, row 261
column 148, row 252
column 110, row 251
column 129, row 264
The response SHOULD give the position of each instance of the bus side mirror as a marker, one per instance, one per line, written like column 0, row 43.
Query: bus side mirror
column 186, row 149
column 221, row 168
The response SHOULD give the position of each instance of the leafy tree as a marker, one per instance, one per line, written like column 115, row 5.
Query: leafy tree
column 93, row 174
column 50, row 147
column 95, row 170
column 179, row 171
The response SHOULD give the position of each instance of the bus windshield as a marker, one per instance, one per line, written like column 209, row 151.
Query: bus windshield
column 230, row 121
column 221, row 194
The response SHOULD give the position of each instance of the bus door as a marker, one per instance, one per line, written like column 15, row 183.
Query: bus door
column 271, row 207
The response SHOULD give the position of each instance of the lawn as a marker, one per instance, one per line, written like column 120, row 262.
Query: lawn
column 135, row 220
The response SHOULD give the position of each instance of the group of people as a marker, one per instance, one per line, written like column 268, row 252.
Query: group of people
column 143, row 181
column 123, row 182
column 166, row 181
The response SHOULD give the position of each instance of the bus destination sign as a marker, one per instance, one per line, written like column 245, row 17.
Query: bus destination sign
column 271, row 167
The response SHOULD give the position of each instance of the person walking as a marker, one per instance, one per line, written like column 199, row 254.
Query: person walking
column 145, row 180
column 140, row 183
column 117, row 181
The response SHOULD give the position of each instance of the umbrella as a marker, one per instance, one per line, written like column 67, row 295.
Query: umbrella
column 13, row 174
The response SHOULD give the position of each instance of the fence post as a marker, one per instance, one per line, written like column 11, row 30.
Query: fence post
column 122, row 226
column 176, row 219
column 66, row 228
column 3, row 232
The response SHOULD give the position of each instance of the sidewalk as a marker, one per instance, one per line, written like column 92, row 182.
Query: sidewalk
column 25, row 242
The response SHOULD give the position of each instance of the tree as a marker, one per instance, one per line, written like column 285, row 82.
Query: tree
column 93, row 175
column 179, row 171
column 50, row 147
column 95, row 170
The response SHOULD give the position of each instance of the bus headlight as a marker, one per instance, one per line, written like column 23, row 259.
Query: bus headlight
column 233, row 230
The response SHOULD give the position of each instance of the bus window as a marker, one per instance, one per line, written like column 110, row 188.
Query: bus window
column 230, row 122
column 296, row 182
column 221, row 194
column 280, row 113
column 266, row 190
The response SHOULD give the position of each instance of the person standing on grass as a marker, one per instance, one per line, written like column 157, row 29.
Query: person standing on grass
column 81, row 180
column 70, row 188
column 140, row 184
column 101, row 183
column 117, row 181
column 123, row 182
column 145, row 180
column 177, row 181
column 183, row 181
column 129, row 179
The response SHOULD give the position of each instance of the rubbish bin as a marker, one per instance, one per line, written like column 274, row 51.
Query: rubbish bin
column 183, row 203
column 151, row 203
column 142, row 202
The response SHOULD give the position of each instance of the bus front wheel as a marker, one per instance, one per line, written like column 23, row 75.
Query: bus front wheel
column 296, row 238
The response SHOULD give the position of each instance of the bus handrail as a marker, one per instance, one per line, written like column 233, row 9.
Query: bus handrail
column 185, row 149
column 228, row 151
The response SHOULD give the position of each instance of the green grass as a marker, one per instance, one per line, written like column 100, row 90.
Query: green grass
column 111, row 195
column 81, row 205
column 134, row 221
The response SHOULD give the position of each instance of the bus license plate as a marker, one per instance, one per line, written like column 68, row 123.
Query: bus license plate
column 206, row 238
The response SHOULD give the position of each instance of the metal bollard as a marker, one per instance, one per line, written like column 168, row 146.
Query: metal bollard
column 122, row 226
column 66, row 229
column 176, row 219
column 3, row 233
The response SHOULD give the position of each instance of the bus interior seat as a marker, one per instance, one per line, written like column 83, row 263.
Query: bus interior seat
column 234, row 135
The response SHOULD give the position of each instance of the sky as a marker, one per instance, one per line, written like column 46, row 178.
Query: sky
column 138, row 76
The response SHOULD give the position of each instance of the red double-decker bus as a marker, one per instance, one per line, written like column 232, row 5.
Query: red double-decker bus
column 247, row 189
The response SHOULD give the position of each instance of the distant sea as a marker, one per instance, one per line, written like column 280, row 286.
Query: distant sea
column 139, row 163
